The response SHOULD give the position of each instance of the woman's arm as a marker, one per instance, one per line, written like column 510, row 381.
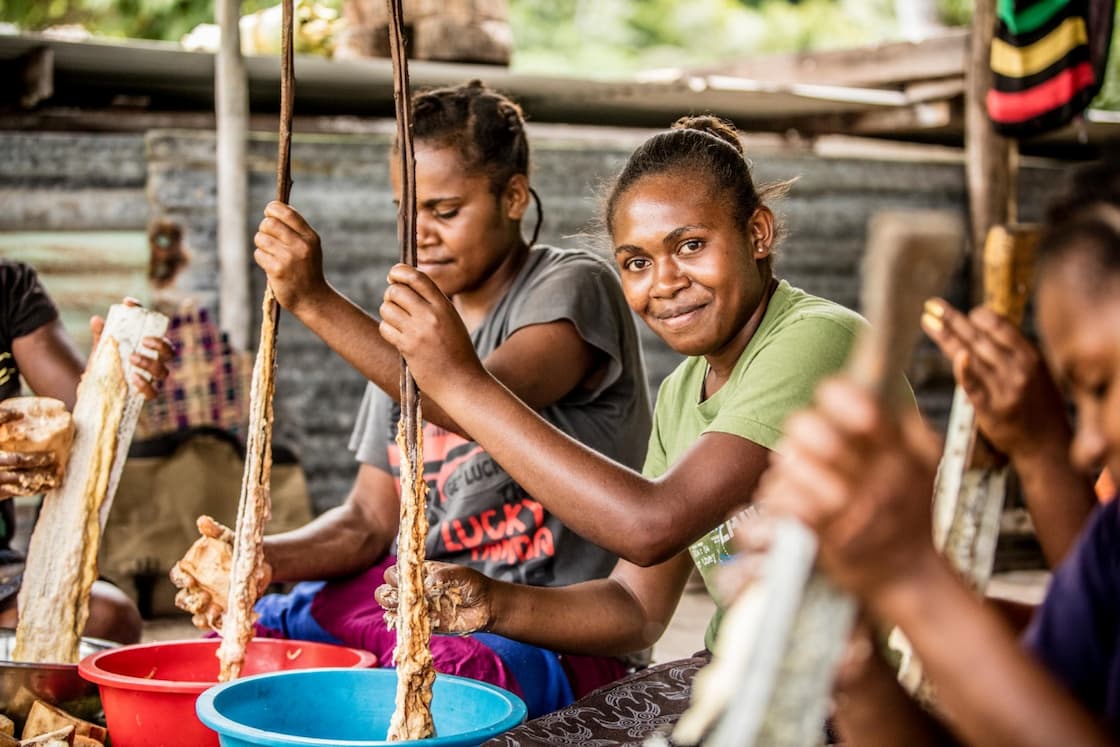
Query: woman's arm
column 539, row 363
column 643, row 521
column 50, row 362
column 863, row 483
column 614, row 616
column 348, row 538
column 990, row 690
column 871, row 708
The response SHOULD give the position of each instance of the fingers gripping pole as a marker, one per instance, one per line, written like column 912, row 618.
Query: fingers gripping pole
column 253, row 510
column 972, row 478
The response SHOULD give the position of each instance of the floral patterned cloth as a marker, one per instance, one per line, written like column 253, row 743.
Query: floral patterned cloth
column 624, row 713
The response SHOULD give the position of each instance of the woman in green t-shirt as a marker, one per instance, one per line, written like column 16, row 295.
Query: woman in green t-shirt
column 693, row 241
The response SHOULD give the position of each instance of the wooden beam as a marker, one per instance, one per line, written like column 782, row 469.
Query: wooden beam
column 991, row 160
column 883, row 65
column 231, row 84
column 30, row 76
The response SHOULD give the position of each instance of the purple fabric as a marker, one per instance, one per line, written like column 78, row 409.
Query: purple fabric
column 344, row 611
column 1076, row 631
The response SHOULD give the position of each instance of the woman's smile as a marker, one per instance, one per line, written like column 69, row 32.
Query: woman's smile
column 679, row 317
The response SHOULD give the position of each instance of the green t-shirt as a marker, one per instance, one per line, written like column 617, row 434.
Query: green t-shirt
column 801, row 340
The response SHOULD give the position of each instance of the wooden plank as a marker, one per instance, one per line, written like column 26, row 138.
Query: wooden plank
column 881, row 65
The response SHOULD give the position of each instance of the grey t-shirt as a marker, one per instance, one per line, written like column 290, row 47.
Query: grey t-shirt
column 479, row 516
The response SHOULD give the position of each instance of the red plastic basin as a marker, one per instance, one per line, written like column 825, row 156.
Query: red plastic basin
column 149, row 690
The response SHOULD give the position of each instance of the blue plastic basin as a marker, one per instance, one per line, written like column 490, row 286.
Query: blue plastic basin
column 349, row 708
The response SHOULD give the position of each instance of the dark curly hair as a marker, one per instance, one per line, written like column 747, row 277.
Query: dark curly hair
column 1084, row 220
column 486, row 128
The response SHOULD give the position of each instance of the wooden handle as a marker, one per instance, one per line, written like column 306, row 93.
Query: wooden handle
column 1008, row 272
column 909, row 258
column 1008, row 269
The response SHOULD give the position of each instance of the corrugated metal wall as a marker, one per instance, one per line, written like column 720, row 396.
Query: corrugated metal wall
column 97, row 183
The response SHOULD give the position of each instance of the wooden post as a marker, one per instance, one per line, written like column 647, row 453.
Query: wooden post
column 412, row 716
column 991, row 160
column 245, row 576
column 231, row 84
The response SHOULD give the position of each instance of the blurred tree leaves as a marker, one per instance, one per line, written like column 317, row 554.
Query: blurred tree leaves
column 610, row 37
column 139, row 19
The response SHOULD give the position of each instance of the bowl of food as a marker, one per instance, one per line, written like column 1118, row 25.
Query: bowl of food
column 22, row 683
column 350, row 708
column 149, row 690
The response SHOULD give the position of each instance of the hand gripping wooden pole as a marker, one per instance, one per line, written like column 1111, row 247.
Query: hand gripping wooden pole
column 781, row 641
column 412, row 718
column 971, row 480
column 253, row 510
column 972, row 477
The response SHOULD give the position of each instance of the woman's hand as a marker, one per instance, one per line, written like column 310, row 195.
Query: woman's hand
column 290, row 253
column 1016, row 400
column 863, row 484
column 152, row 370
column 458, row 598
column 25, row 472
column 420, row 322
column 202, row 575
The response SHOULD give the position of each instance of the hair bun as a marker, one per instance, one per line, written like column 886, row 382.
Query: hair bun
column 712, row 125
column 511, row 114
column 426, row 103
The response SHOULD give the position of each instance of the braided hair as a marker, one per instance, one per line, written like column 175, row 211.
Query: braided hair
column 484, row 127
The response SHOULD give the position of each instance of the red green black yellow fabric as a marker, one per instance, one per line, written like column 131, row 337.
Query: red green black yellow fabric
column 1048, row 60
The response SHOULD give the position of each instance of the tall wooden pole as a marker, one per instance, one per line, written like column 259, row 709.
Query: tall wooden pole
column 412, row 718
column 991, row 160
column 255, row 503
column 231, row 84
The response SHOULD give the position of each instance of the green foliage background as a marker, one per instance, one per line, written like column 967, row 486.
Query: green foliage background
column 608, row 37
column 139, row 19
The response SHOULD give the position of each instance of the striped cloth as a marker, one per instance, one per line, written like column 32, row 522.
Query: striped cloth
column 207, row 382
column 1048, row 61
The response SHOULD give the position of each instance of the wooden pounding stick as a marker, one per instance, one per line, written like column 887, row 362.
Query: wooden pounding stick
column 781, row 641
column 246, row 568
column 966, row 521
column 412, row 717
column 971, row 483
